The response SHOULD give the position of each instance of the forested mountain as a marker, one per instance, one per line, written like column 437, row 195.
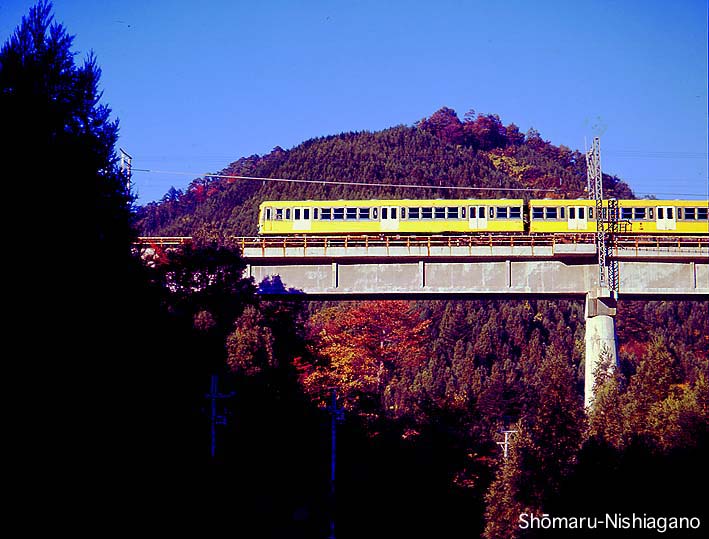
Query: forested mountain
column 428, row 386
column 437, row 151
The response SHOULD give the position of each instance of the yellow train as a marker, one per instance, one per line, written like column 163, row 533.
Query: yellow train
column 466, row 216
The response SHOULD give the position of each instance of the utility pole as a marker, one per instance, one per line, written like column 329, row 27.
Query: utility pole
column 606, row 219
column 506, row 443
column 337, row 415
column 214, row 417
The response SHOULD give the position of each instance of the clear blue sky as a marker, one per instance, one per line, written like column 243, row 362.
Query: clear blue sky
column 197, row 85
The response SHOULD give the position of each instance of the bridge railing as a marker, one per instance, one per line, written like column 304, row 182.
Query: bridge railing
column 622, row 245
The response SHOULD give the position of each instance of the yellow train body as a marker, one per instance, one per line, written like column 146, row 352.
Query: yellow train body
column 470, row 216
column 391, row 216
column 635, row 216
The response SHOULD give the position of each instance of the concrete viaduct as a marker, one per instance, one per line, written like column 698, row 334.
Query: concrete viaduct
column 348, row 268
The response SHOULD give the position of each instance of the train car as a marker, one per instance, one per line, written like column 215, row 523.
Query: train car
column 344, row 217
column 636, row 216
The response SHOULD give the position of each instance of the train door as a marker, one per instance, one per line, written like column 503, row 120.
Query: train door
column 477, row 218
column 266, row 224
column 578, row 218
column 302, row 218
column 666, row 218
column 390, row 218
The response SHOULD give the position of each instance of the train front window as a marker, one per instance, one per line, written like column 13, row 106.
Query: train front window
column 268, row 214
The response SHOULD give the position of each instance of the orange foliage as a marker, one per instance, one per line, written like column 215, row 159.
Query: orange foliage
column 360, row 348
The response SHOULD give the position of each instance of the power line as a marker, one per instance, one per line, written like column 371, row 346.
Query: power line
column 338, row 182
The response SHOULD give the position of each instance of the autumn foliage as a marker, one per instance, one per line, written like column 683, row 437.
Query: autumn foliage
column 360, row 350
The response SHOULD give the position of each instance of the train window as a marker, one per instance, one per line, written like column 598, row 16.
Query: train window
column 562, row 212
column 515, row 213
column 351, row 213
column 426, row 213
column 326, row 214
column 582, row 213
column 453, row 213
column 679, row 213
column 296, row 214
column 501, row 212
column 287, row 214
column 651, row 213
column 702, row 213
column 403, row 213
column 537, row 213
column 414, row 213
column 385, row 213
column 590, row 213
column 338, row 214
column 551, row 213
column 669, row 213
column 660, row 213
column 375, row 213
column 491, row 212
column 472, row 212
column 439, row 213
column 393, row 213
column 279, row 214
column 639, row 213
column 364, row 213
column 267, row 215
column 572, row 213
column 462, row 212
column 315, row 212
column 626, row 213
column 689, row 213
column 306, row 214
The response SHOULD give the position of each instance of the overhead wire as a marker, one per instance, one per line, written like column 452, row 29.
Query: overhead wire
column 340, row 182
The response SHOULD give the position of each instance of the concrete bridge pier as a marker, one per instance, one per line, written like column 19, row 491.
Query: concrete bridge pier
column 600, row 336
